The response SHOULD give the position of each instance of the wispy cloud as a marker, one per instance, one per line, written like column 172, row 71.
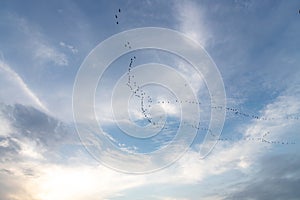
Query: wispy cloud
column 45, row 53
column 15, row 90
column 73, row 49
column 5, row 129
column 191, row 21
column 41, row 49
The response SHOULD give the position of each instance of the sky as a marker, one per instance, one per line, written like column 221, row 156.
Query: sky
column 196, row 100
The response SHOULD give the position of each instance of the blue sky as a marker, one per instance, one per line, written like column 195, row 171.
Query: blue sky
column 255, row 46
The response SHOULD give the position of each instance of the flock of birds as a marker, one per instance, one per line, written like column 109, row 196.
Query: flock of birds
column 146, row 101
column 116, row 16
column 141, row 95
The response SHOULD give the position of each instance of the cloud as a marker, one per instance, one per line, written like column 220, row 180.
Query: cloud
column 190, row 17
column 12, row 187
column 189, row 73
column 5, row 127
column 34, row 128
column 29, row 149
column 275, row 180
column 73, row 49
column 28, row 138
column 244, row 4
column 15, row 90
column 45, row 53
column 83, row 182
column 61, row 182
column 37, row 43
column 30, row 166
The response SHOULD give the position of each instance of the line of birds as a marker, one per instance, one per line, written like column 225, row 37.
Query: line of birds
column 253, row 116
column 230, row 109
column 262, row 139
column 139, row 93
column 257, row 139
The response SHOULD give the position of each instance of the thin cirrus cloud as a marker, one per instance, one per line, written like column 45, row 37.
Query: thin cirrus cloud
column 73, row 49
column 190, row 18
column 42, row 51
column 18, row 91
column 45, row 53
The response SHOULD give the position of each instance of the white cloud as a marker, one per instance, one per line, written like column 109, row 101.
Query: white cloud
column 29, row 149
column 38, row 44
column 46, row 53
column 5, row 128
column 15, row 90
column 278, row 111
column 81, row 182
column 50, row 181
column 189, row 73
column 241, row 154
column 191, row 21
column 73, row 49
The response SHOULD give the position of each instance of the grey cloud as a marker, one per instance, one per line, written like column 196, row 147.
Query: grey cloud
column 36, row 134
column 35, row 125
column 9, row 152
column 278, row 178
